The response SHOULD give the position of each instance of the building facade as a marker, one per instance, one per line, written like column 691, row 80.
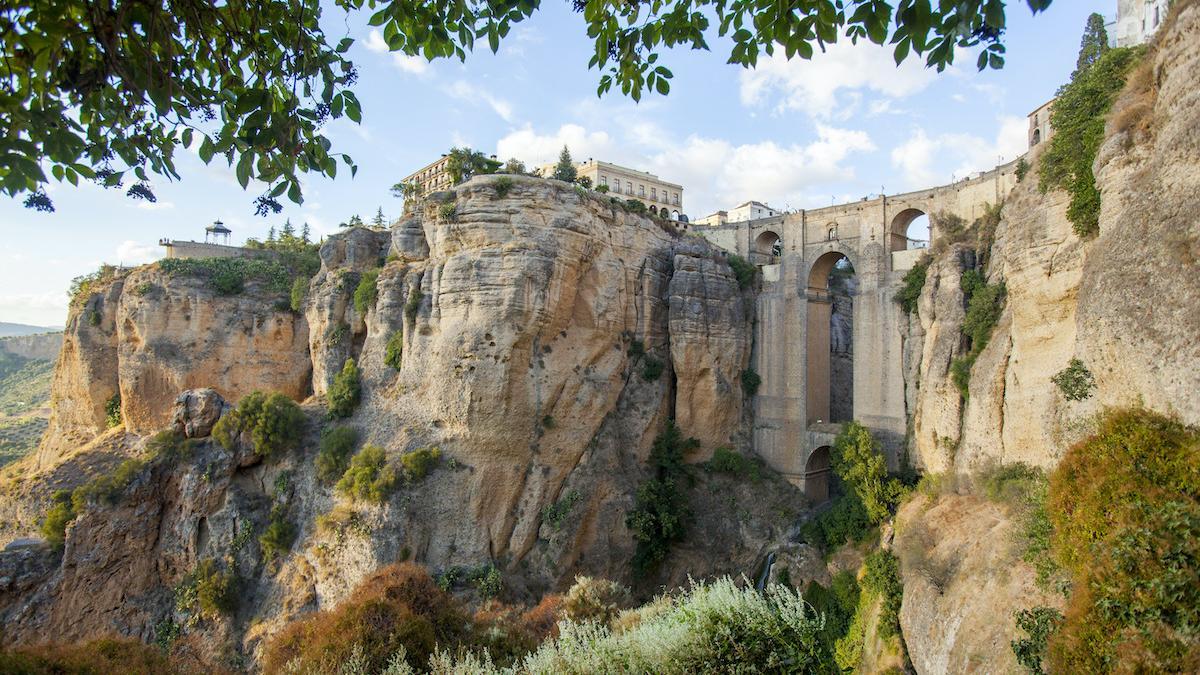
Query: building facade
column 661, row 197
column 1137, row 21
column 1039, row 124
column 432, row 177
column 751, row 210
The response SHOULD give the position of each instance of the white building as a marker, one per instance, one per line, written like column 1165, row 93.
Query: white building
column 751, row 210
column 1136, row 22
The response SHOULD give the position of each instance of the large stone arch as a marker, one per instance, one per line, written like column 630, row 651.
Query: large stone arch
column 768, row 243
column 817, row 473
column 819, row 370
column 898, row 229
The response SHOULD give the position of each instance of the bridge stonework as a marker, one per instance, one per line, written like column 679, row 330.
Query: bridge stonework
column 796, row 252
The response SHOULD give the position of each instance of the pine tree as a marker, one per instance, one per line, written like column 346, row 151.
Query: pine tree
column 565, row 169
column 1093, row 44
column 271, row 235
column 288, row 232
column 305, row 233
column 355, row 221
column 379, row 221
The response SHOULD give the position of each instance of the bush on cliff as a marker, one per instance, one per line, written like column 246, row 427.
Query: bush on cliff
column 743, row 270
column 271, row 422
column 660, row 509
column 106, row 655
column 366, row 292
column 1077, row 116
column 393, row 352
column 985, row 303
column 333, row 454
column 345, row 392
column 1125, row 508
column 369, row 477
column 913, row 283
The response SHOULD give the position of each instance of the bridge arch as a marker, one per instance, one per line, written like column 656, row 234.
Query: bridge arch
column 911, row 228
column 829, row 338
column 817, row 472
column 768, row 243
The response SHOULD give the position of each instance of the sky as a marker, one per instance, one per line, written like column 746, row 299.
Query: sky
column 799, row 134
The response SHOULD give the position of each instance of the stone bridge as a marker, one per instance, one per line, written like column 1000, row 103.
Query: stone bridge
column 797, row 252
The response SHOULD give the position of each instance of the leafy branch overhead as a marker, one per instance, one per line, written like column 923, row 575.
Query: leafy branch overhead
column 111, row 91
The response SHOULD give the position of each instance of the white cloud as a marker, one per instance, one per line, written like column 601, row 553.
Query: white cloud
column 159, row 205
column 472, row 93
column 40, row 309
column 131, row 252
column 413, row 65
column 830, row 85
column 536, row 149
column 928, row 160
column 714, row 172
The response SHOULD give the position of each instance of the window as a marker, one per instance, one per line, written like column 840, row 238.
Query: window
column 629, row 187
column 604, row 180
column 676, row 199
column 617, row 186
column 641, row 190
column 654, row 194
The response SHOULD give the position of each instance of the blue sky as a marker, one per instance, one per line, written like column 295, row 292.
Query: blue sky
column 793, row 134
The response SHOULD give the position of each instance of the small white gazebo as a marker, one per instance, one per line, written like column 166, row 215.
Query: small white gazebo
column 216, row 232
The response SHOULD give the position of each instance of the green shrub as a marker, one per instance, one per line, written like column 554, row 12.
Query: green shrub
column 369, row 478
column 743, row 270
column 882, row 577
column 417, row 464
column 82, row 285
column 985, row 302
column 555, row 514
column 913, row 283
column 393, row 352
column 93, row 317
column 345, row 392
column 273, row 422
column 366, row 292
column 660, row 510
column 548, row 422
column 750, row 381
column 488, row 582
column 728, row 461
column 960, row 373
column 1078, row 115
column 710, row 628
column 837, row 604
column 108, row 488
column 844, row 521
column 1022, row 169
column 298, row 293
column 112, row 411
column 652, row 368
column 279, row 536
column 1125, row 509
column 333, row 455
column 338, row 335
column 447, row 212
column 502, row 186
column 208, row 591
column 1037, row 624
column 143, row 289
column 858, row 461
column 60, row 514
column 1011, row 484
column 414, row 304
column 169, row 446
column 1075, row 381
column 636, row 349
column 228, row 276
column 634, row 206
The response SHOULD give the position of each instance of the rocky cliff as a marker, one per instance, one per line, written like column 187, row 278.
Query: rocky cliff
column 1123, row 303
column 547, row 336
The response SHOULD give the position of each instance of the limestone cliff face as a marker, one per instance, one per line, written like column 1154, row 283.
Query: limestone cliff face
column 1124, row 302
column 531, row 320
column 148, row 336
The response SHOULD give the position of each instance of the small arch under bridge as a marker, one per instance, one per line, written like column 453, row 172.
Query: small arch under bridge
column 796, row 252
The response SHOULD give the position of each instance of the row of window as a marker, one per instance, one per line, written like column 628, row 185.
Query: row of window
column 616, row 187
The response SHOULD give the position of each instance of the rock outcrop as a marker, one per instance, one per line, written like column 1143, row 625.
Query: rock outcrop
column 1123, row 302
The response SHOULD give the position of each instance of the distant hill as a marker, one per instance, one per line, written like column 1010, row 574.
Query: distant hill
column 7, row 329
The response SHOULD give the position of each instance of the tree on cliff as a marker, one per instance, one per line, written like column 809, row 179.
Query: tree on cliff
column 1094, row 42
column 379, row 221
column 565, row 169
column 110, row 91
column 463, row 163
